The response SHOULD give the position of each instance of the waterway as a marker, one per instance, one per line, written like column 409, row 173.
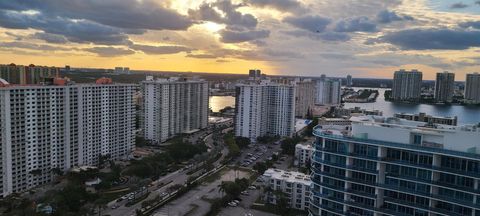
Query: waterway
column 219, row 102
column 465, row 114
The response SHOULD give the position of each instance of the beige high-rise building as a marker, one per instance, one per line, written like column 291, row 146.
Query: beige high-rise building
column 304, row 97
column 472, row 88
column 444, row 87
column 407, row 85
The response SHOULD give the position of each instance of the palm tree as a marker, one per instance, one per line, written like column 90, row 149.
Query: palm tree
column 222, row 187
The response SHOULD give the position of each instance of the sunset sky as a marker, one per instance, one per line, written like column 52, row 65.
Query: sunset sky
column 364, row 38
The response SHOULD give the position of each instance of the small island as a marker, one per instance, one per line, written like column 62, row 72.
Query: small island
column 360, row 96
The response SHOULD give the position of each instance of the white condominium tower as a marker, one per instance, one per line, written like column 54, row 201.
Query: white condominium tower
column 444, row 87
column 173, row 106
column 50, row 127
column 472, row 88
column 407, row 85
column 328, row 91
column 264, row 108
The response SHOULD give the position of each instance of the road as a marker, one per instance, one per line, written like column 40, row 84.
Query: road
column 177, row 177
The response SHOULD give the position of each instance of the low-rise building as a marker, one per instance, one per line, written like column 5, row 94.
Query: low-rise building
column 303, row 154
column 356, row 110
column 422, row 117
column 293, row 186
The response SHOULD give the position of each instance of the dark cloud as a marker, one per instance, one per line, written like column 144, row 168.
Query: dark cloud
column 358, row 24
column 80, row 31
column 477, row 2
column 386, row 16
column 281, row 5
column 326, row 36
column 231, row 16
column 145, row 14
column 50, row 38
column 470, row 24
column 201, row 56
column 228, row 36
column 310, row 23
column 109, row 51
column 459, row 5
column 160, row 50
column 32, row 46
column 425, row 39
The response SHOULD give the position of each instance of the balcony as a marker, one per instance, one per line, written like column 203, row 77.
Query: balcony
column 317, row 132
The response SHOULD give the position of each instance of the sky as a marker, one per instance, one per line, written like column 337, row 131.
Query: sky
column 364, row 38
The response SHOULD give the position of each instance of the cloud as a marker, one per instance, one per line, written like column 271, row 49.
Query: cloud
column 477, row 2
column 109, row 51
column 309, row 22
column 80, row 31
column 386, row 16
column 433, row 39
column 228, row 36
column 201, row 56
column 32, row 46
column 50, row 38
column 358, row 24
column 458, row 5
column 145, row 14
column 470, row 24
column 231, row 16
column 160, row 50
column 281, row 5
column 326, row 36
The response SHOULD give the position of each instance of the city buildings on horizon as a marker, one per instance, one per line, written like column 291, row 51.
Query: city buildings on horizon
column 472, row 88
column 444, row 87
column 407, row 85
column 24, row 75
column 48, row 127
column 349, row 81
column 390, row 166
column 173, row 106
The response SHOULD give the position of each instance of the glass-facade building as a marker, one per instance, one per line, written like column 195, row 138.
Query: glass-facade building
column 362, row 176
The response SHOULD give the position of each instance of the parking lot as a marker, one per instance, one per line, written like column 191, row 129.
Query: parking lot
column 257, row 153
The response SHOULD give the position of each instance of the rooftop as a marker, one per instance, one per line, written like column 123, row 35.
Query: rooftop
column 288, row 176
column 379, row 129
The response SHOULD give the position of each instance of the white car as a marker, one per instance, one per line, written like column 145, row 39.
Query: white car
column 232, row 204
column 236, row 201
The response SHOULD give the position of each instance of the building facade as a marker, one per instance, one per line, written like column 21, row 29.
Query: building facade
column 387, row 166
column 444, row 87
column 407, row 85
column 293, row 186
column 173, row 106
column 23, row 75
column 304, row 97
column 264, row 108
column 349, row 81
column 472, row 88
column 422, row 117
column 340, row 111
column 303, row 154
column 61, row 127
column 328, row 92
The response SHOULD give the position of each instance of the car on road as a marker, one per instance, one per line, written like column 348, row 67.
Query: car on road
column 252, row 187
column 245, row 193
column 236, row 201
column 115, row 206
column 232, row 204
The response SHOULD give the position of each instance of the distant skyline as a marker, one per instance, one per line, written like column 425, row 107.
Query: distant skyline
column 364, row 38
